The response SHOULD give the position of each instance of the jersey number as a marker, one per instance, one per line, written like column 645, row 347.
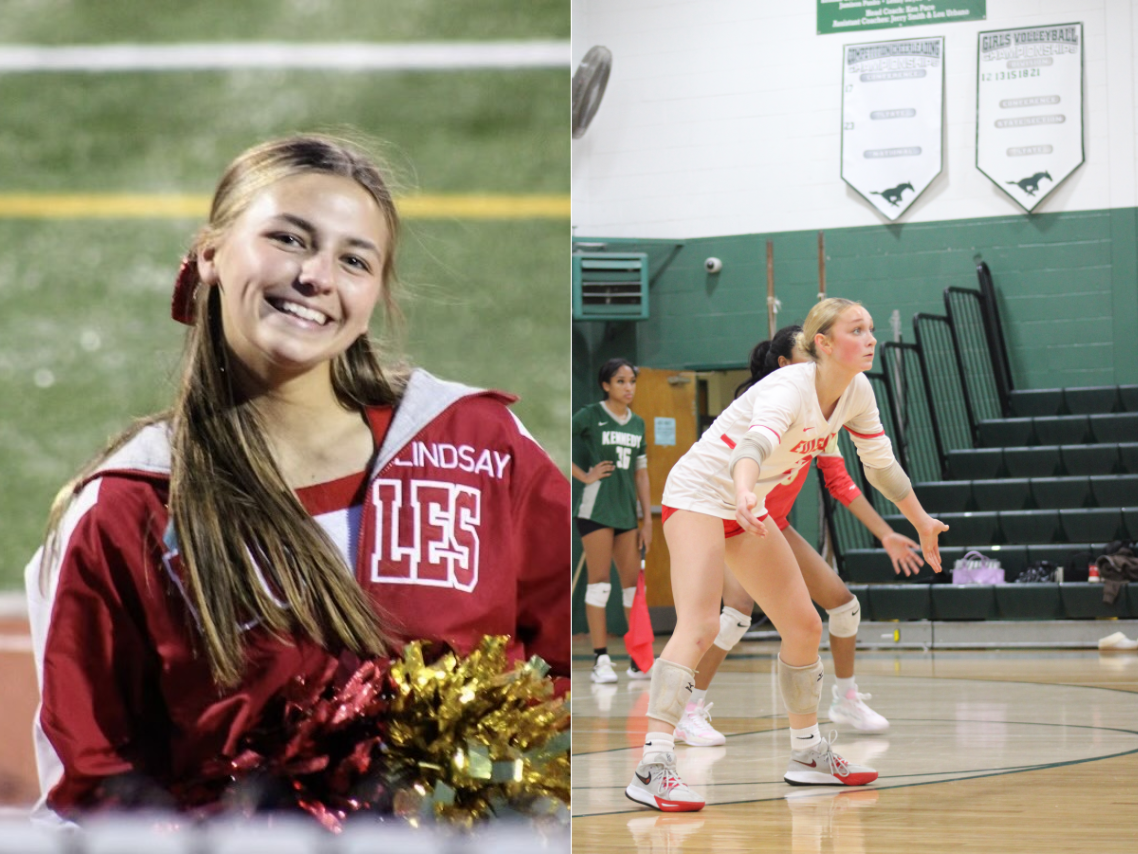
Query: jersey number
column 623, row 457
column 426, row 533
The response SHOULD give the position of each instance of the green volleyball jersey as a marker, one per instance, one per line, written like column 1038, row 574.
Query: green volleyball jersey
column 597, row 437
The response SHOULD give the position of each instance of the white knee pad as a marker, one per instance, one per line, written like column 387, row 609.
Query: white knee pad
column 801, row 686
column 669, row 691
column 597, row 595
column 732, row 626
column 628, row 594
column 844, row 619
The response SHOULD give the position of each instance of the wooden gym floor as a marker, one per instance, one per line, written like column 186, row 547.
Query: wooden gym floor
column 992, row 751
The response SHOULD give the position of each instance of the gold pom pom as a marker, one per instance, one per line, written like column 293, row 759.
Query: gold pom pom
column 472, row 738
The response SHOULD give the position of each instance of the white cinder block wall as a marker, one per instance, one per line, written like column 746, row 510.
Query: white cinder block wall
column 724, row 117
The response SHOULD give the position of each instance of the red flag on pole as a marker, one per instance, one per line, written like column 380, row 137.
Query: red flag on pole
column 638, row 640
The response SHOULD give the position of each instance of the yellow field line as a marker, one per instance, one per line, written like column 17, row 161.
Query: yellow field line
column 71, row 206
column 484, row 207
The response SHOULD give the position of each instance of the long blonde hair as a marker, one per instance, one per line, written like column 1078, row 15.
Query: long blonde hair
column 818, row 321
column 249, row 550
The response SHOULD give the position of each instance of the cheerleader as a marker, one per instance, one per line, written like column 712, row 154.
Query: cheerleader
column 302, row 504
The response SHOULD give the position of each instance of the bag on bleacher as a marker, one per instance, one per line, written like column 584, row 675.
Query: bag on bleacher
column 1077, row 568
column 976, row 568
column 1042, row 571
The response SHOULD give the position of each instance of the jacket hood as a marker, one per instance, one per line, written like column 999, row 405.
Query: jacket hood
column 147, row 454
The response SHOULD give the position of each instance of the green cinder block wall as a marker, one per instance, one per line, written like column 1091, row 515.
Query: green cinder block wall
column 1067, row 285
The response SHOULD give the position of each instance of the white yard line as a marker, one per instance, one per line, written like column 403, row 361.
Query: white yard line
column 13, row 605
column 16, row 643
column 346, row 56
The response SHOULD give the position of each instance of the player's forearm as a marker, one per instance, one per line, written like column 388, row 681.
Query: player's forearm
column 915, row 513
column 864, row 512
column 578, row 473
column 745, row 474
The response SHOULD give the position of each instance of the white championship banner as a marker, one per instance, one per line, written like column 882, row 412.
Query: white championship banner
column 1029, row 109
column 892, row 120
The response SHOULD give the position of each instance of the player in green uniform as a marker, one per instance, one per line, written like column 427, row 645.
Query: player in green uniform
column 609, row 457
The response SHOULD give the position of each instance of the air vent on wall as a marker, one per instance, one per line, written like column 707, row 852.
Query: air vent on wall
column 610, row 286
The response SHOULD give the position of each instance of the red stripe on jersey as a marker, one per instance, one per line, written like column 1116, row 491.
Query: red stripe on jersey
column 727, row 441
column 864, row 435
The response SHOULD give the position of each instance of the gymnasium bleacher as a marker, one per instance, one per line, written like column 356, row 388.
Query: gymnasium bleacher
column 1022, row 476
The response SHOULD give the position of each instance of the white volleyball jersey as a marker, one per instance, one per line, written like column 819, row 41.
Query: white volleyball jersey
column 784, row 407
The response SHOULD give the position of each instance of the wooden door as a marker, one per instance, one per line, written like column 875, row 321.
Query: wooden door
column 670, row 397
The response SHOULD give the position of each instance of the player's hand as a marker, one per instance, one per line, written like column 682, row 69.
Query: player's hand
column 644, row 536
column 600, row 471
column 903, row 552
column 745, row 503
column 929, row 546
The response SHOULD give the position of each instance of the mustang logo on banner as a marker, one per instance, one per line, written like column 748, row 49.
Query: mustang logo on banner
column 1029, row 109
column 892, row 120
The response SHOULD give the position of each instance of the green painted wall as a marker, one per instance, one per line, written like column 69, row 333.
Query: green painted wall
column 1066, row 282
column 1067, row 285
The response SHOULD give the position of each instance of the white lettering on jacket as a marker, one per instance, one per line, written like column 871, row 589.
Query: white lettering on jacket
column 462, row 457
column 426, row 533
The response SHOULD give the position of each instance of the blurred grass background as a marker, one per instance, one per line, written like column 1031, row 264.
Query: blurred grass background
column 86, row 341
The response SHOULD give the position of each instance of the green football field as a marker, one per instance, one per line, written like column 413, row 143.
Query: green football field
column 86, row 342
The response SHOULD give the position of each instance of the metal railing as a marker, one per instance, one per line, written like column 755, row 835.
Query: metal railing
column 994, row 332
column 953, row 421
column 966, row 311
column 918, row 441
